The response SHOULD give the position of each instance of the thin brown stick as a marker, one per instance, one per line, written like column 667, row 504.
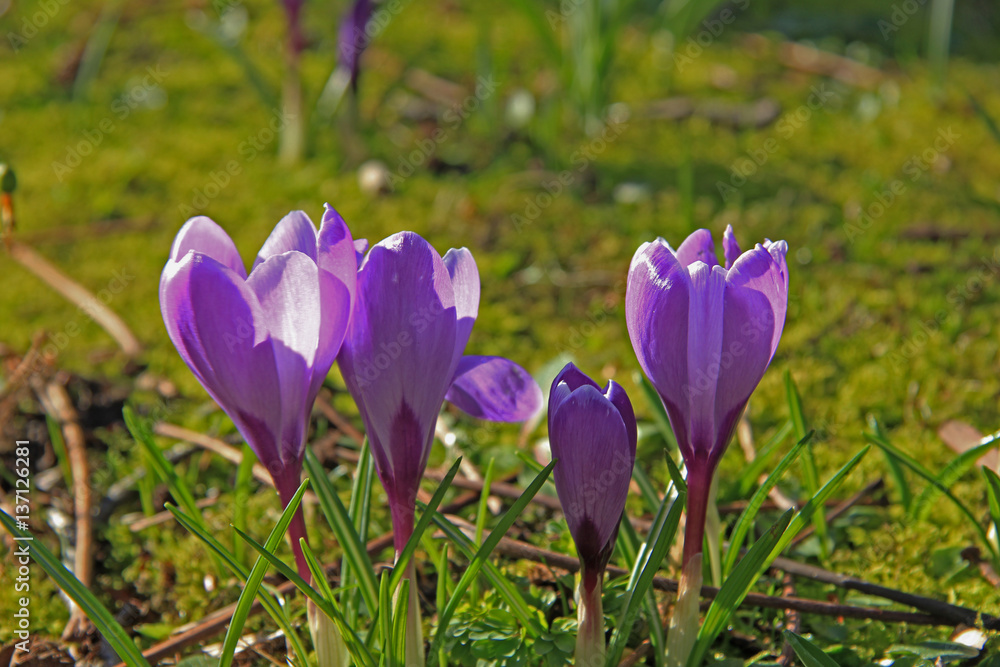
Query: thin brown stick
column 839, row 510
column 59, row 406
column 78, row 295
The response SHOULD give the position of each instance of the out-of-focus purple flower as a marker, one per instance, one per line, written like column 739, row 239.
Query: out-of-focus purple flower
column 261, row 344
column 704, row 335
column 592, row 434
column 352, row 39
column 403, row 356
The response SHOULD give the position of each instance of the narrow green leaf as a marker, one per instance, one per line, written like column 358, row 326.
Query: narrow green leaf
column 675, row 474
column 69, row 584
column 385, row 621
column 256, row 576
column 895, row 470
column 736, row 587
column 360, row 512
column 649, row 495
column 503, row 525
column 920, row 470
column 340, row 522
column 274, row 610
column 483, row 511
column 952, row 472
column 993, row 496
column 810, row 654
column 810, row 473
column 403, row 559
column 399, row 619
column 441, row 594
column 244, row 474
column 754, row 469
column 59, row 447
column 749, row 514
column 660, row 416
column 647, row 564
column 817, row 501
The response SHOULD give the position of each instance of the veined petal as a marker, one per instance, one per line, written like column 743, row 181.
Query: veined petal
column 697, row 247
column 704, row 346
column 730, row 247
column 614, row 393
column 202, row 235
column 293, row 232
column 337, row 254
column 594, row 467
column 494, row 388
column 219, row 329
column 465, row 282
column 399, row 354
column 657, row 306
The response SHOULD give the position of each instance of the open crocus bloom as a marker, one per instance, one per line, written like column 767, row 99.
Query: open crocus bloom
column 261, row 344
column 403, row 356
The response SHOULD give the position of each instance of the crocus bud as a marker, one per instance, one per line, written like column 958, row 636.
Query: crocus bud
column 704, row 335
column 592, row 434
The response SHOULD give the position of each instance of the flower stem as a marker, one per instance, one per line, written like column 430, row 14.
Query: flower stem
column 590, row 646
column 402, row 529
column 297, row 528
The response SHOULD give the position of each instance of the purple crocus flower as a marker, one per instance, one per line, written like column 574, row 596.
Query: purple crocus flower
column 261, row 344
column 704, row 336
column 352, row 39
column 592, row 434
column 403, row 356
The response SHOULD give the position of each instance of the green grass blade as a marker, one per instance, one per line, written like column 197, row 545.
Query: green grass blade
column 660, row 417
column 69, row 584
column 360, row 512
column 647, row 564
column 920, row 470
column 749, row 515
column 895, row 469
column 817, row 501
column 754, row 469
column 399, row 568
column 507, row 590
column 649, row 495
column 59, row 447
column 441, row 595
column 952, row 472
column 993, row 496
column 676, row 476
column 274, row 610
column 384, row 621
column 810, row 654
column 736, row 587
column 342, row 525
column 244, row 476
column 256, row 577
column 399, row 618
column 810, row 473
column 160, row 465
column 482, row 512
column 503, row 525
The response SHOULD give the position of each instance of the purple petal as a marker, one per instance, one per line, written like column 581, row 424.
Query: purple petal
column 494, row 388
column 614, row 393
column 202, row 235
column 730, row 247
column 755, row 305
column 288, row 289
column 398, row 359
column 360, row 248
column 293, row 232
column 704, row 346
column 465, row 282
column 336, row 254
column 657, row 302
column 595, row 458
column 698, row 247
column 218, row 327
column 568, row 379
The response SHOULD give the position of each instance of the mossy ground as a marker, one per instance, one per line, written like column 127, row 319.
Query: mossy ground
column 892, row 315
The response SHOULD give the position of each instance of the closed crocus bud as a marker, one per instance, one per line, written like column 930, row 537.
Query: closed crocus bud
column 352, row 39
column 262, row 344
column 592, row 434
column 404, row 355
column 704, row 335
